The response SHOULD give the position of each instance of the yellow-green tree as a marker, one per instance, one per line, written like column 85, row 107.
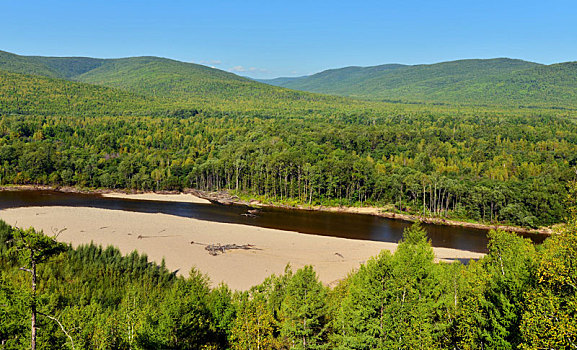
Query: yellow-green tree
column 550, row 321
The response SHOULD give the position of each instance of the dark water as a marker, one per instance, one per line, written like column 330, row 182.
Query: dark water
column 355, row 226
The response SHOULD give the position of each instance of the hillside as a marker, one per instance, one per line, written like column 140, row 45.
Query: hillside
column 24, row 93
column 495, row 82
column 156, row 77
column 500, row 81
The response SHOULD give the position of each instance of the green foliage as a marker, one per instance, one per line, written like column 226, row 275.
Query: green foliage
column 550, row 319
column 169, row 125
column 494, row 295
column 170, row 85
column 31, row 247
column 511, row 265
column 516, row 178
column 185, row 319
column 503, row 82
column 29, row 93
column 223, row 312
column 203, row 128
column 303, row 311
column 360, row 320
column 392, row 301
column 515, row 297
column 254, row 326
column 14, row 324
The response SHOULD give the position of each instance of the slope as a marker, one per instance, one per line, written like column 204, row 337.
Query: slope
column 24, row 93
column 178, row 84
column 168, row 78
column 488, row 82
column 26, row 65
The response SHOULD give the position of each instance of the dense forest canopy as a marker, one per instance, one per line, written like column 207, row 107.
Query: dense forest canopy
column 486, row 164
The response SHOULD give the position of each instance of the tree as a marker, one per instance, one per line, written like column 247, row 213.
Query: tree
column 511, row 264
column 494, row 296
column 184, row 321
column 223, row 312
column 13, row 314
column 254, row 326
column 415, row 291
column 360, row 319
column 303, row 311
column 31, row 249
column 550, row 319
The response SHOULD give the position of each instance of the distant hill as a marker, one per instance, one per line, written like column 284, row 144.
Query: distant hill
column 146, row 84
column 492, row 82
column 500, row 81
column 150, row 76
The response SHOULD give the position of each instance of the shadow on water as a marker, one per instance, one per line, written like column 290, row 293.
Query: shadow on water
column 343, row 225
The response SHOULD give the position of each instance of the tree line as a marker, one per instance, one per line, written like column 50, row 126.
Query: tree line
column 485, row 168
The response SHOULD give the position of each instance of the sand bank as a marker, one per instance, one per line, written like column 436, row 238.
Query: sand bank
column 149, row 196
column 225, row 198
column 181, row 242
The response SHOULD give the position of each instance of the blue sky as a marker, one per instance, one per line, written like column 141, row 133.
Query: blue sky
column 272, row 38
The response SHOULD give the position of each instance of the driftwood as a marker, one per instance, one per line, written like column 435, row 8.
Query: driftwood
column 251, row 213
column 215, row 249
column 156, row 236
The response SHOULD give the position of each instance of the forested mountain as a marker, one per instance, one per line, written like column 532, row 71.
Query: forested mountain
column 154, row 77
column 486, row 164
column 53, row 67
column 494, row 82
column 502, row 81
column 490, row 165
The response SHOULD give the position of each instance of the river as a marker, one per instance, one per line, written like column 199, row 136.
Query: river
column 354, row 226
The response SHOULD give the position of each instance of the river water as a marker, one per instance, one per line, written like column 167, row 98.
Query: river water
column 355, row 226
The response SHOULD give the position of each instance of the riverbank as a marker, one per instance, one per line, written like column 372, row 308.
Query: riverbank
column 224, row 198
column 182, row 243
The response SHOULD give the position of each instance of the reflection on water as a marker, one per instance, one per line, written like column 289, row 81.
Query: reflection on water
column 344, row 225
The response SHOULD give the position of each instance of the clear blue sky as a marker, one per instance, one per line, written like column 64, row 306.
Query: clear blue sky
column 292, row 37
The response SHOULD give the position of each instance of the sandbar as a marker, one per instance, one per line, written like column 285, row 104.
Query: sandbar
column 182, row 241
column 149, row 196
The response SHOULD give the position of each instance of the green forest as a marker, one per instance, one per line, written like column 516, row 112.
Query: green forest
column 489, row 82
column 506, row 165
column 153, row 124
column 519, row 296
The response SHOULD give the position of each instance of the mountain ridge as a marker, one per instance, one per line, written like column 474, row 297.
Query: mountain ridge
column 498, row 81
column 159, row 77
column 146, row 75
column 477, row 82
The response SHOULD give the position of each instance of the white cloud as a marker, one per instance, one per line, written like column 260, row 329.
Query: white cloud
column 211, row 63
column 239, row 69
column 242, row 69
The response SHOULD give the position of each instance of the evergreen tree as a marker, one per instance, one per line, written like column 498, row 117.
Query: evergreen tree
column 303, row 311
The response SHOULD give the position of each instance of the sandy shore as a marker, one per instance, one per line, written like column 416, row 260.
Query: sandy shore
column 180, row 197
column 170, row 237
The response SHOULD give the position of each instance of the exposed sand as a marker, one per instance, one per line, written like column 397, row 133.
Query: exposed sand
column 180, row 197
column 161, row 235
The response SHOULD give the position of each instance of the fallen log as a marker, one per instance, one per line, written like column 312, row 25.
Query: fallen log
column 215, row 249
